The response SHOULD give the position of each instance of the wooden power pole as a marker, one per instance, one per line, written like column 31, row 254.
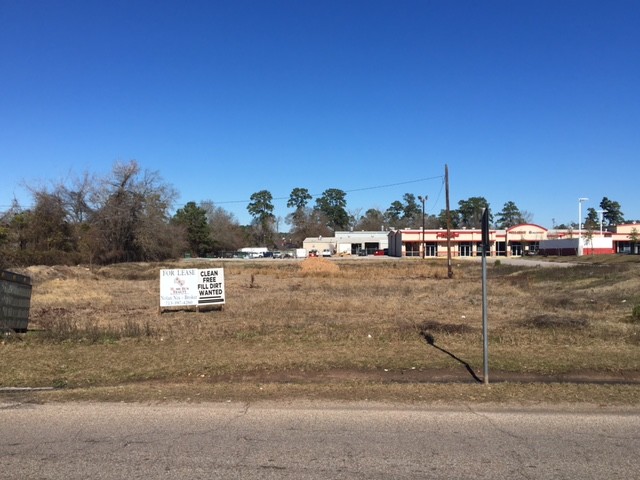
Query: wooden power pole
column 446, row 183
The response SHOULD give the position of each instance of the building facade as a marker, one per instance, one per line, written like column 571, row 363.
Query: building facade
column 350, row 243
column 516, row 241
column 626, row 239
column 524, row 239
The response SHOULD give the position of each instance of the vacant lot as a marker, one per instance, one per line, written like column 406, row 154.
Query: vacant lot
column 334, row 329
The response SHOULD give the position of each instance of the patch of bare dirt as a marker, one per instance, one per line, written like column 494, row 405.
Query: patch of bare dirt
column 319, row 265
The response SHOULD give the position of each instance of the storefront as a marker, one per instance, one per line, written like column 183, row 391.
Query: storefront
column 516, row 241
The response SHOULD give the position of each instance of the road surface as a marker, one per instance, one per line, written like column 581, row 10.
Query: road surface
column 314, row 441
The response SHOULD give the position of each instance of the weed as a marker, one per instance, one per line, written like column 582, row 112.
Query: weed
column 132, row 329
column 8, row 335
column 558, row 301
column 553, row 322
column 445, row 328
column 65, row 329
column 59, row 383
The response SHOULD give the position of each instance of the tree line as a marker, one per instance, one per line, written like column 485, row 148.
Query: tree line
column 126, row 216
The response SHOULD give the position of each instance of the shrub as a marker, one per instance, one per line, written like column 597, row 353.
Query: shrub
column 635, row 314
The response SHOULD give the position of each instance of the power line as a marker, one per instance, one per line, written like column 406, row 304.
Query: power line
column 438, row 196
column 362, row 189
column 315, row 195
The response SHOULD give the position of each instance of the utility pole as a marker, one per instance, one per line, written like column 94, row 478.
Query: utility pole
column 448, row 212
column 423, row 200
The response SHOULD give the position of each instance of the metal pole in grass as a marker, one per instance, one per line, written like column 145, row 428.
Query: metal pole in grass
column 448, row 211
column 485, row 329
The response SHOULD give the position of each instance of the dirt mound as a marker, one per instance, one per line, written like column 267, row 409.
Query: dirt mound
column 43, row 273
column 319, row 265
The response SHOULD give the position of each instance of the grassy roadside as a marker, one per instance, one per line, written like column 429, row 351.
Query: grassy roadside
column 522, row 394
column 288, row 327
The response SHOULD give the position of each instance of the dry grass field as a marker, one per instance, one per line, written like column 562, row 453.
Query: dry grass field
column 334, row 328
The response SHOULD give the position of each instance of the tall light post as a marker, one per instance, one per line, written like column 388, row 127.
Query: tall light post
column 581, row 200
column 423, row 200
column 601, row 212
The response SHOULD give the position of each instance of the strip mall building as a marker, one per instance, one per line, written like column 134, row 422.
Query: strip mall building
column 525, row 239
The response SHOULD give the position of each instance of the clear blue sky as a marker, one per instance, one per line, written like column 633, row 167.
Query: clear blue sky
column 536, row 102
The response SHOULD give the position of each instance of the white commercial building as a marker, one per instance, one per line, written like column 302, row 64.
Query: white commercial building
column 349, row 243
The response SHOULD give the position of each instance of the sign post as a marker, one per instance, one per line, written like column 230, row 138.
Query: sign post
column 485, row 330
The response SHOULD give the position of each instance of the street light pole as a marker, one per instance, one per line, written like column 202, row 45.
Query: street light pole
column 423, row 200
column 581, row 200
column 601, row 212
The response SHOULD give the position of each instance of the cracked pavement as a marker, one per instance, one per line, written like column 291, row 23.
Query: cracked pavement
column 313, row 440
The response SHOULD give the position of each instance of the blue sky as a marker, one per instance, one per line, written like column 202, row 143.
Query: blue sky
column 532, row 102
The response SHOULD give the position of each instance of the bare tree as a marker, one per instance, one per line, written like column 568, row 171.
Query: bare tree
column 372, row 220
column 310, row 222
column 355, row 215
column 76, row 197
column 131, row 215
column 226, row 232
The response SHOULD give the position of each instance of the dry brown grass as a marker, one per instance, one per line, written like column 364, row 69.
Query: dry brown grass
column 298, row 321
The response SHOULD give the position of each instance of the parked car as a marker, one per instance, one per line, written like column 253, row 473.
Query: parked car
column 362, row 252
column 313, row 253
column 326, row 252
column 379, row 253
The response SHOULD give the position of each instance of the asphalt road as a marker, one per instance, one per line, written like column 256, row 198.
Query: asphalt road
column 314, row 441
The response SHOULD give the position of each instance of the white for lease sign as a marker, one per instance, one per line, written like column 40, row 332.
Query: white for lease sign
column 191, row 286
